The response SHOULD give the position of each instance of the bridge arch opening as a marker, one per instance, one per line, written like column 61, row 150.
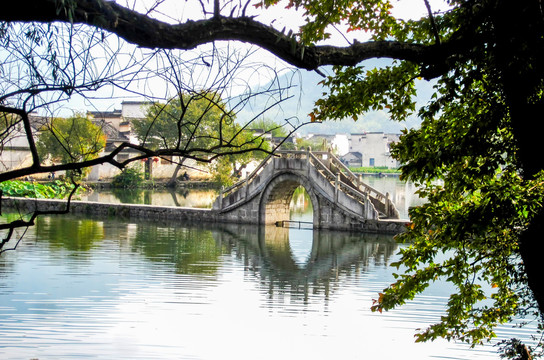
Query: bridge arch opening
column 300, row 207
column 287, row 200
column 281, row 198
column 300, row 220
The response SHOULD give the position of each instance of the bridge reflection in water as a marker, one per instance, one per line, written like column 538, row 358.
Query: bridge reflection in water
column 303, row 263
column 298, row 260
column 291, row 262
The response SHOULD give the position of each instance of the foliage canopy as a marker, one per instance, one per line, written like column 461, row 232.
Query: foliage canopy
column 195, row 122
column 70, row 140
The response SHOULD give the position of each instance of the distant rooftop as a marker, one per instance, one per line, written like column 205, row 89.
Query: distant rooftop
column 113, row 113
column 136, row 102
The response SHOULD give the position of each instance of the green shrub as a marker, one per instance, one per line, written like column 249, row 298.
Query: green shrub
column 129, row 178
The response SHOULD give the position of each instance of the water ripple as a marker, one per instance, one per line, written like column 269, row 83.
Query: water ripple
column 135, row 294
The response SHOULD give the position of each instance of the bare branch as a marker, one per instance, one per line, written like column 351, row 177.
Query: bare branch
column 433, row 23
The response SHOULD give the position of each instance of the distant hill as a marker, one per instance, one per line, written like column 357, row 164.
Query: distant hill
column 306, row 91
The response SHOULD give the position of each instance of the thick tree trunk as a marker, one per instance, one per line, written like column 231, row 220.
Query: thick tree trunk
column 532, row 240
column 173, row 180
column 519, row 29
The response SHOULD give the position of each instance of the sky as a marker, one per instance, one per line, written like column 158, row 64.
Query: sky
column 306, row 89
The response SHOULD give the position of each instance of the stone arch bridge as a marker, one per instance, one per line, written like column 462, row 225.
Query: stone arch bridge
column 340, row 199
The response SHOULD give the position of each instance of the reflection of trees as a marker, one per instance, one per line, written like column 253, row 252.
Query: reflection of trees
column 265, row 252
column 175, row 192
column 179, row 197
column 301, row 202
column 192, row 250
column 128, row 196
column 334, row 256
column 74, row 234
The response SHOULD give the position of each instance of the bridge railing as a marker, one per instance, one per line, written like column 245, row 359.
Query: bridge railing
column 332, row 177
column 355, row 187
column 356, row 180
column 321, row 165
column 302, row 154
column 244, row 182
column 288, row 154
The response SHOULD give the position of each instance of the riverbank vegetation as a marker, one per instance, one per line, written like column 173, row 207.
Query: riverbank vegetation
column 130, row 178
column 57, row 189
column 374, row 170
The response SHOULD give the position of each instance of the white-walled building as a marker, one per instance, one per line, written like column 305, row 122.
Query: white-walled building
column 119, row 124
column 374, row 148
column 15, row 151
column 352, row 159
column 341, row 144
column 120, row 120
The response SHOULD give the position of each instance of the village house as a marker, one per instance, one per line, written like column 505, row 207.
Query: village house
column 117, row 126
column 352, row 159
column 371, row 149
column 14, row 152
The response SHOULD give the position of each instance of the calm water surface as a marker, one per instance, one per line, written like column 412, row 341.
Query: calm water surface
column 105, row 289
column 195, row 198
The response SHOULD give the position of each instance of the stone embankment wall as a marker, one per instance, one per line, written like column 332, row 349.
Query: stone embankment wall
column 171, row 213
column 126, row 211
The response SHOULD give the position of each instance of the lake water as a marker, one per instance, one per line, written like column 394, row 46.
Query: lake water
column 80, row 288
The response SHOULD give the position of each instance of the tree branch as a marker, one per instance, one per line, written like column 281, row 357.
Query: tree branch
column 28, row 132
column 147, row 32
column 433, row 23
